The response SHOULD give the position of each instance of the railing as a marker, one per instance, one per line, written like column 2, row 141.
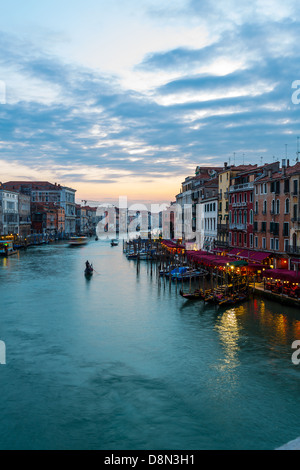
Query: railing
column 241, row 187
column 295, row 250
column 238, row 226
column 221, row 244
column 239, row 204
column 223, row 227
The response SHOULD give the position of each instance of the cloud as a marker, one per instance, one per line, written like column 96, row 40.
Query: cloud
column 230, row 94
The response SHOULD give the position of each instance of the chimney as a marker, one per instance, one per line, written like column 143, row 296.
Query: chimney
column 288, row 163
column 225, row 165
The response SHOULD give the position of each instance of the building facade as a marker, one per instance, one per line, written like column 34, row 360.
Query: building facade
column 9, row 203
column 24, row 215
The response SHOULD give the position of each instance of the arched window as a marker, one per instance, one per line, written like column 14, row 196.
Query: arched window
column 278, row 206
column 240, row 217
column 265, row 207
column 245, row 217
column 287, row 206
column 273, row 206
column 251, row 217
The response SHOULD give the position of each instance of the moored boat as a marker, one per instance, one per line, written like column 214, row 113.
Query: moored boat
column 114, row 242
column 7, row 248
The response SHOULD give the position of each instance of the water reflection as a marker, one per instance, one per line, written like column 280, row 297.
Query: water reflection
column 229, row 332
column 210, row 377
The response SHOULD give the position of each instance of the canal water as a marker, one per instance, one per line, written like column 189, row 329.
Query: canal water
column 123, row 362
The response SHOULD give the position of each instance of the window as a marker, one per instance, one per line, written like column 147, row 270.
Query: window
column 265, row 207
column 276, row 244
column 295, row 188
column 286, row 245
column 245, row 239
column 272, row 244
column 273, row 207
column 286, row 229
column 245, row 217
column 278, row 206
column 264, row 245
column 256, row 242
column 251, row 240
column 251, row 217
column 265, row 188
column 295, row 211
column 287, row 186
column 287, row 206
column 256, row 207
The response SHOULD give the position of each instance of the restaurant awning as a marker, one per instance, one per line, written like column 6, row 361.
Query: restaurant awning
column 259, row 255
column 282, row 275
column 239, row 263
column 234, row 252
column 244, row 254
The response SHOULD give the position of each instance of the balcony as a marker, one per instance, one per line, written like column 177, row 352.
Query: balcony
column 221, row 244
column 241, row 187
column 239, row 204
column 223, row 227
column 237, row 226
column 293, row 250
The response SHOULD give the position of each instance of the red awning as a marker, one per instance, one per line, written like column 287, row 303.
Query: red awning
column 259, row 256
column 234, row 252
column 282, row 275
column 244, row 254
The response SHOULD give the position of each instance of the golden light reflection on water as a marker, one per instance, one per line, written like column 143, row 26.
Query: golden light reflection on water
column 229, row 331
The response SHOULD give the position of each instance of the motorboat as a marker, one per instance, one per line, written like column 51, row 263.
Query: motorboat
column 78, row 241
column 7, row 248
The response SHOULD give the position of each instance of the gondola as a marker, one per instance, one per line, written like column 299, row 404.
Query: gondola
column 196, row 295
column 89, row 271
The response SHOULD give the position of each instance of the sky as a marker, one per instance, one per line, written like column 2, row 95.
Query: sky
column 125, row 98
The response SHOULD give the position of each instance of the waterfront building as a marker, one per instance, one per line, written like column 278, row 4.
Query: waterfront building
column 226, row 177
column 242, row 207
column 67, row 201
column 189, row 199
column 47, row 219
column 207, row 217
column 24, row 215
column 276, row 199
column 43, row 192
column 9, row 203
column 89, row 220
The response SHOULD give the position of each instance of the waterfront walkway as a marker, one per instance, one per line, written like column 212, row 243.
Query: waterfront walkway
column 281, row 298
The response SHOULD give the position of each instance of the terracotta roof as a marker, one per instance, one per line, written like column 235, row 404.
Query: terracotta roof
column 35, row 185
